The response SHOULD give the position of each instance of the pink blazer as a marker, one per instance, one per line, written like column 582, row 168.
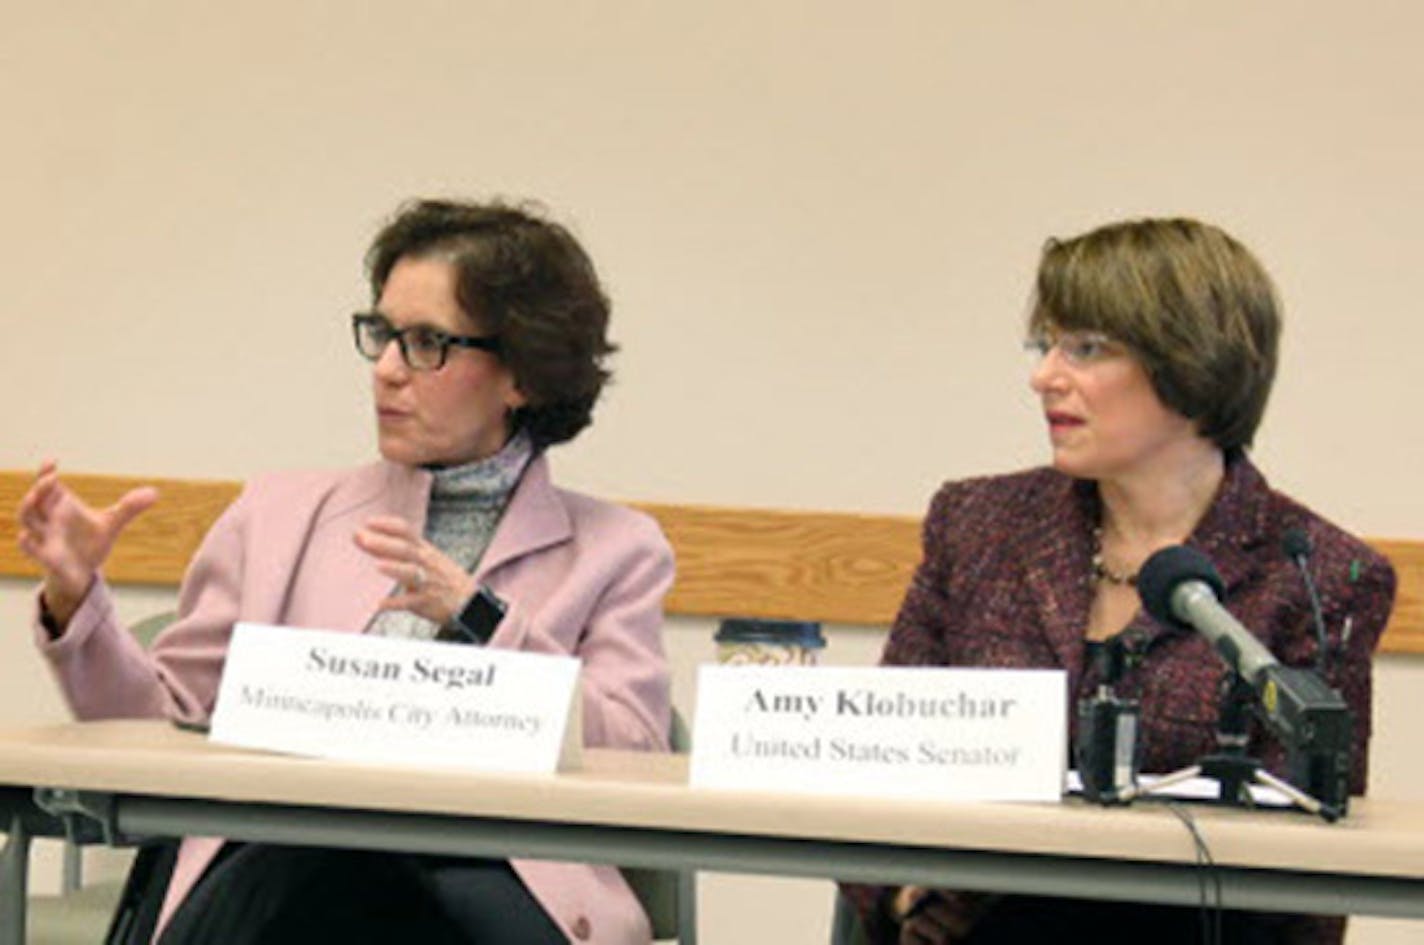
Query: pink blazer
column 581, row 576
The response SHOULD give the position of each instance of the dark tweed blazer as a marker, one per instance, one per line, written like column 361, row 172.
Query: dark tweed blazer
column 1005, row 582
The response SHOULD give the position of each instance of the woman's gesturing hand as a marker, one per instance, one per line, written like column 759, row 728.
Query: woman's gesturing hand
column 432, row 584
column 70, row 539
column 928, row 919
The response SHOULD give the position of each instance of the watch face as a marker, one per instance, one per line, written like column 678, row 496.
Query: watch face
column 482, row 615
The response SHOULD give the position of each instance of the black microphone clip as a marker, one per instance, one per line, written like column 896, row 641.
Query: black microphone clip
column 1107, row 748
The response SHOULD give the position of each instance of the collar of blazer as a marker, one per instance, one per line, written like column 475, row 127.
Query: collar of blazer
column 1233, row 526
column 1236, row 523
column 536, row 518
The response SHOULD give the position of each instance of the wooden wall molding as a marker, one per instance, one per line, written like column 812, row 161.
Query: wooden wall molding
column 836, row 567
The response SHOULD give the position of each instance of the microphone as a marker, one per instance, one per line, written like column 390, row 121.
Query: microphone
column 1296, row 545
column 1180, row 587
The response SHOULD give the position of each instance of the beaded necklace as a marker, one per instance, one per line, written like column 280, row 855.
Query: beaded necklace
column 1101, row 571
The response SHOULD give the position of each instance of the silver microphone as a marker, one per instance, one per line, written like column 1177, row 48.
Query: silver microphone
column 1180, row 586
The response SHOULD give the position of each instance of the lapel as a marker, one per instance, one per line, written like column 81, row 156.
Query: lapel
column 535, row 519
column 1235, row 524
column 1056, row 571
column 356, row 587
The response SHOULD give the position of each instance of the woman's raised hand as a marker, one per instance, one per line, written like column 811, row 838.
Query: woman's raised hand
column 432, row 584
column 70, row 539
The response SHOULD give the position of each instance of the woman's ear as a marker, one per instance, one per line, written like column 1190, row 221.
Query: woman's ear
column 514, row 398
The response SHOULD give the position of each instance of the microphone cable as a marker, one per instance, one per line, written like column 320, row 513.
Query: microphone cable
column 1208, row 879
column 1296, row 545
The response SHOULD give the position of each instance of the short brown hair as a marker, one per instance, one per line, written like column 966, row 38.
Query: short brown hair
column 1190, row 302
column 526, row 280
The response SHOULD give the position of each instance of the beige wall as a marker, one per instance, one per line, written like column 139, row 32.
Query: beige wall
column 817, row 220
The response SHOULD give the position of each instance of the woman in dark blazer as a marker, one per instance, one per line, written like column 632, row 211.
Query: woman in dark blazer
column 1155, row 345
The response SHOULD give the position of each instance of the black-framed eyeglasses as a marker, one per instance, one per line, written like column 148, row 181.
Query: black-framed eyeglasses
column 422, row 347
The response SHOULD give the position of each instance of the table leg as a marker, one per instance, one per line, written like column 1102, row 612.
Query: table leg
column 686, row 907
column 14, row 882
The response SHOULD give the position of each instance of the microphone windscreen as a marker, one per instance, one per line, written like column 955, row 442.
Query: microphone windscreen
column 1164, row 571
column 1296, row 543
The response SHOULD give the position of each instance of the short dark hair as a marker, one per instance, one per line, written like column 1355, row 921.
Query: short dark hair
column 525, row 279
column 1191, row 303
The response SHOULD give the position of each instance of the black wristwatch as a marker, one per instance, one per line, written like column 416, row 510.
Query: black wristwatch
column 479, row 619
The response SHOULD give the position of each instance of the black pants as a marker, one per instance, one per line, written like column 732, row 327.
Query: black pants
column 274, row 895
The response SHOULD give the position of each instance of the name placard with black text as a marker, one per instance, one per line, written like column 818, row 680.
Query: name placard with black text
column 353, row 697
column 959, row 734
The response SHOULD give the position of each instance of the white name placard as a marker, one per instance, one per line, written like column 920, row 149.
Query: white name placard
column 353, row 697
column 957, row 734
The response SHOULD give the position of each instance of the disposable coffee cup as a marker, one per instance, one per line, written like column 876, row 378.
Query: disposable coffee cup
column 742, row 641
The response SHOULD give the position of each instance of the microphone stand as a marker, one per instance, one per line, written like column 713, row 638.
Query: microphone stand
column 1232, row 769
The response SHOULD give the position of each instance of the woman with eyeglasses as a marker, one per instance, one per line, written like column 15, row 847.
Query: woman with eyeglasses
column 1155, row 347
column 487, row 338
